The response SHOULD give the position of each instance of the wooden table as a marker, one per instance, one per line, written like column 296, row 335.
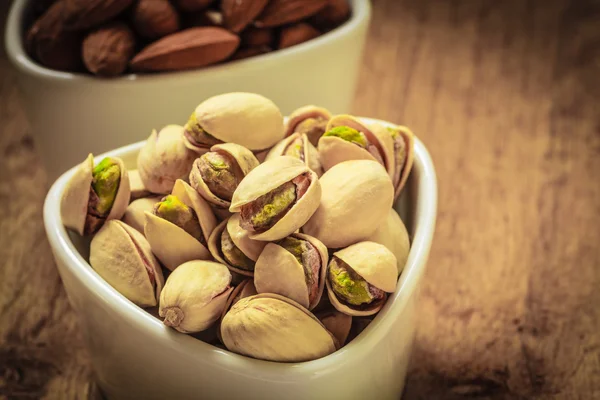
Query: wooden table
column 506, row 96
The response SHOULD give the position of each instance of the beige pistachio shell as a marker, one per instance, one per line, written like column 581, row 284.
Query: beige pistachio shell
column 244, row 289
column 245, row 160
column 409, row 139
column 356, row 196
column 268, row 176
column 334, row 150
column 248, row 119
column 393, row 234
column 303, row 113
column 164, row 159
column 375, row 264
column 278, row 271
column 173, row 245
column 138, row 190
column 387, row 144
column 271, row 327
column 337, row 323
column 311, row 155
column 122, row 257
column 135, row 212
column 194, row 295
column 74, row 202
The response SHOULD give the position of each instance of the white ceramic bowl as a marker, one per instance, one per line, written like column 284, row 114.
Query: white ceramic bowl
column 135, row 356
column 72, row 114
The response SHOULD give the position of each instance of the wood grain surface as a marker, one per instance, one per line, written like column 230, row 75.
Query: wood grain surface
column 506, row 95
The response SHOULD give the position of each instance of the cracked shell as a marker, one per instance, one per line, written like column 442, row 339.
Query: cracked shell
column 194, row 295
column 279, row 271
column 273, row 328
column 266, row 179
column 311, row 120
column 76, row 200
column 164, row 159
column 297, row 145
column 123, row 258
column 375, row 264
column 170, row 243
column 393, row 234
column 135, row 213
column 356, row 196
column 244, row 289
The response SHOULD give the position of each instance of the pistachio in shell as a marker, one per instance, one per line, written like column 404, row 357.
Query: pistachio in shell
column 194, row 295
column 135, row 213
column 356, row 196
column 244, row 289
column 310, row 120
column 276, row 198
column 359, row 278
column 297, row 145
column 136, row 186
column 274, row 328
column 179, row 226
column 123, row 258
column 216, row 174
column 164, row 159
column 337, row 323
column 393, row 234
column 346, row 139
column 230, row 244
column 293, row 267
column 95, row 194
column 248, row 119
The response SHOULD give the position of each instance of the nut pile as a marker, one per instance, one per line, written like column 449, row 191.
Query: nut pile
column 112, row 37
column 274, row 240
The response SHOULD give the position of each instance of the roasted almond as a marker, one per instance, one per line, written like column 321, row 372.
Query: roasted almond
column 107, row 50
column 281, row 12
column 190, row 48
column 252, row 37
column 154, row 19
column 247, row 52
column 296, row 34
column 85, row 14
column 202, row 18
column 237, row 14
column 335, row 13
column 192, row 5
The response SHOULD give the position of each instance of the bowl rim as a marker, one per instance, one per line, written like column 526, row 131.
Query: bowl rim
column 15, row 49
column 423, row 218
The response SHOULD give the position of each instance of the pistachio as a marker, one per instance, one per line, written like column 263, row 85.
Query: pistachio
column 349, row 286
column 309, row 120
column 297, row 145
column 137, row 188
column 175, row 211
column 194, row 295
column 276, row 198
column 244, row 289
column 94, row 195
column 393, row 234
column 122, row 257
column 135, row 212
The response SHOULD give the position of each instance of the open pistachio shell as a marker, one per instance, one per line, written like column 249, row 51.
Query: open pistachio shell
column 337, row 323
column 311, row 120
column 76, row 197
column 138, row 190
column 333, row 150
column 304, row 150
column 164, row 159
column 244, row 289
column 278, row 271
column 250, row 248
column 356, row 196
column 122, row 257
column 245, row 162
column 269, row 176
column 376, row 265
column 271, row 327
column 135, row 213
column 194, row 295
column 393, row 234
column 172, row 245
column 248, row 119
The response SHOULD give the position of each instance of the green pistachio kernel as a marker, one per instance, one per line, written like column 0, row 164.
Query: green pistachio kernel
column 295, row 149
column 347, row 284
column 175, row 211
column 282, row 198
column 199, row 135
column 348, row 134
column 106, row 177
column 233, row 255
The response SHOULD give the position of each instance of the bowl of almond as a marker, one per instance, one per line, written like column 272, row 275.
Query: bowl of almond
column 92, row 72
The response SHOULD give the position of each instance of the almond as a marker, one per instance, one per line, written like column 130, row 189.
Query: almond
column 252, row 37
column 248, row 52
column 192, row 5
column 296, row 34
column 107, row 50
column 281, row 12
column 334, row 14
column 190, row 48
column 85, row 14
column 154, row 19
column 203, row 18
column 237, row 14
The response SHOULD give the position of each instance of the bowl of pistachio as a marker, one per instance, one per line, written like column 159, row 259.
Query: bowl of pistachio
column 248, row 255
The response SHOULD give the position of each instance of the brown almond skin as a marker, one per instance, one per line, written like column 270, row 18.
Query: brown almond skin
column 296, row 34
column 335, row 13
column 202, row 18
column 247, row 52
column 107, row 50
column 192, row 5
column 251, row 37
column 237, row 14
column 50, row 44
column 153, row 19
column 281, row 12
column 85, row 14
column 187, row 49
